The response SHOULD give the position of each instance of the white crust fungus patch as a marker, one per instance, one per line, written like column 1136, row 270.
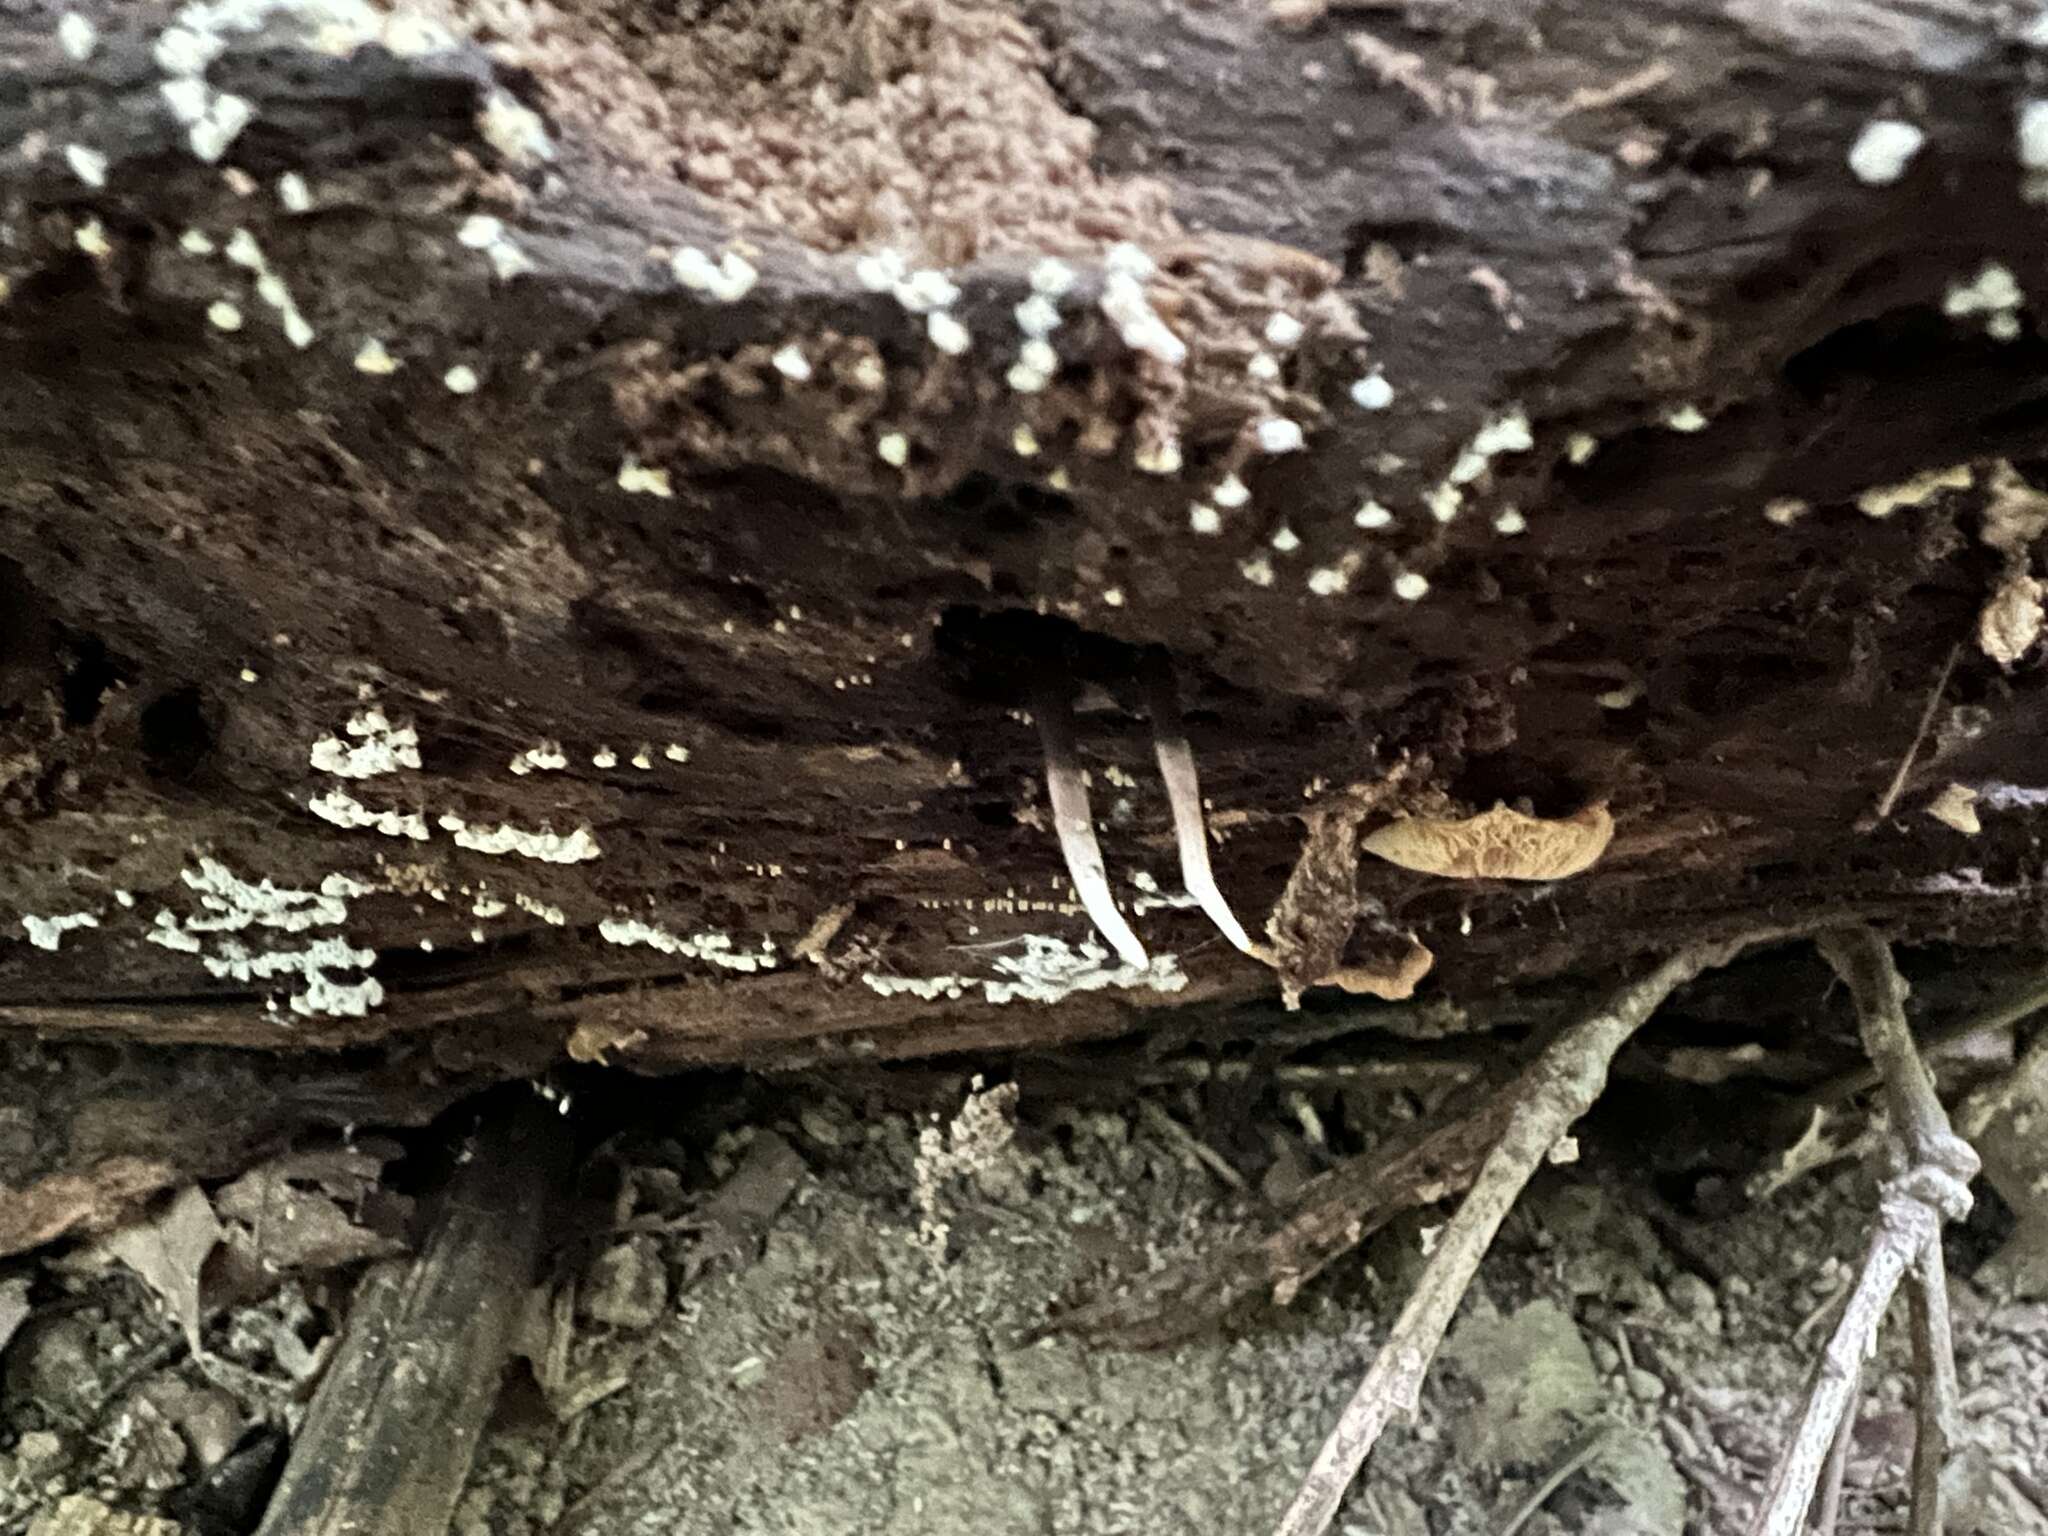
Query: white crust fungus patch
column 545, row 844
column 48, row 932
column 380, row 747
column 232, row 905
column 1048, row 971
column 344, row 810
column 713, row 947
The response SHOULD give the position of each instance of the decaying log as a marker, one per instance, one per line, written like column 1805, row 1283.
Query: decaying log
column 395, row 1423
column 517, row 523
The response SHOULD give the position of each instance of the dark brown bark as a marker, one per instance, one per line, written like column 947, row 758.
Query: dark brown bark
column 219, row 547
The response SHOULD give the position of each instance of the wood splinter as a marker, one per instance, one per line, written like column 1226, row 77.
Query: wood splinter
column 1075, row 827
column 1184, row 794
column 1551, row 1093
column 389, row 1438
column 1931, row 1169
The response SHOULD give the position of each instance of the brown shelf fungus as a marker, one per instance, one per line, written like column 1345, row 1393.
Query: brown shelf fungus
column 1500, row 844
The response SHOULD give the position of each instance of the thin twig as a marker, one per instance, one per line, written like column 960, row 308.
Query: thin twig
column 1934, row 1377
column 1904, row 1225
column 1864, row 961
column 1075, row 827
column 1829, row 1512
column 1587, row 1447
column 1934, row 1186
column 1551, row 1093
column 2029, row 997
column 1897, row 786
column 1328, row 1217
column 1156, row 1116
column 1416, row 1070
column 614, row 1479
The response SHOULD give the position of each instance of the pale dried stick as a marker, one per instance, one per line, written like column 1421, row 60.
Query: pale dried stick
column 1905, row 1224
column 1897, row 786
column 1864, row 962
column 2002, row 1012
column 1933, row 1188
column 1075, row 827
column 1830, row 1512
column 1936, row 1395
column 1552, row 1092
column 1184, row 794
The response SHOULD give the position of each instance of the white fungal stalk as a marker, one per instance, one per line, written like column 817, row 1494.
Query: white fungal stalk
column 1184, row 793
column 1076, row 827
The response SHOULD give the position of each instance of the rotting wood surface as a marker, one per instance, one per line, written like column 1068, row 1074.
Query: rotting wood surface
column 396, row 431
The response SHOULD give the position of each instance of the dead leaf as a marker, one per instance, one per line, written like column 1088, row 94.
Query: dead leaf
column 208, row 1419
column 2011, row 621
column 1956, row 806
column 167, row 1252
column 14, row 1308
column 297, row 1211
column 1500, row 844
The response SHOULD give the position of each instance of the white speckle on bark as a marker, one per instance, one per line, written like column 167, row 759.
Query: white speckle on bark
column 1372, row 393
column 1277, row 434
column 2031, row 134
column 1883, row 150
column 514, row 130
column 77, row 36
column 88, row 165
column 947, row 334
column 372, row 358
column 636, row 479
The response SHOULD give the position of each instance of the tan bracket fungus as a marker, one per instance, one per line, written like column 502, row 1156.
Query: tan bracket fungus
column 1500, row 844
column 1392, row 981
